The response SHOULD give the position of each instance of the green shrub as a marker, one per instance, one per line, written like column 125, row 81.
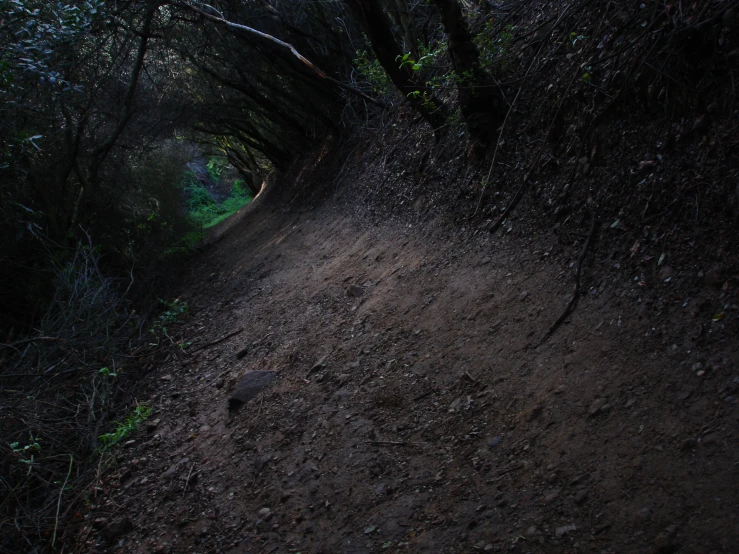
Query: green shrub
column 198, row 197
column 494, row 49
column 215, row 167
column 374, row 73
column 204, row 210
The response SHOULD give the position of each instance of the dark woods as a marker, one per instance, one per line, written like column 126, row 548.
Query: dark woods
column 99, row 101
column 105, row 103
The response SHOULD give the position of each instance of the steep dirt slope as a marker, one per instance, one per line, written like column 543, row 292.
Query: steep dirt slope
column 412, row 410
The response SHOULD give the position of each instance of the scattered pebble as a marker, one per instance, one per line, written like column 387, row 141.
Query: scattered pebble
column 596, row 406
column 265, row 514
column 565, row 529
column 354, row 291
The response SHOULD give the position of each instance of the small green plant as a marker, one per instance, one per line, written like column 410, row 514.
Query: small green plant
column 465, row 78
column 494, row 50
column 215, row 167
column 124, row 429
column 173, row 313
column 373, row 72
column 575, row 38
column 26, row 453
column 587, row 76
column 406, row 61
column 204, row 210
column 425, row 100
column 432, row 51
column 105, row 372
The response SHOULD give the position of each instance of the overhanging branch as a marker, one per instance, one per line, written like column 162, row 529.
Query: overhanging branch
column 282, row 43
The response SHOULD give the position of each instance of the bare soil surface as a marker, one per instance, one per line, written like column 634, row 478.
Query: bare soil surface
column 412, row 408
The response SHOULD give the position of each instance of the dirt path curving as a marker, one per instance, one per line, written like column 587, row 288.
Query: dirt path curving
column 410, row 412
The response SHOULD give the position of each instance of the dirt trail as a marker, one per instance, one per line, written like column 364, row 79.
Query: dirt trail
column 410, row 412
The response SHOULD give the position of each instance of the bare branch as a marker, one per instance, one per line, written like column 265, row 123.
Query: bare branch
column 284, row 44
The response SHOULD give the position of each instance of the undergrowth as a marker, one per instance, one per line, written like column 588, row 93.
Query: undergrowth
column 124, row 429
column 369, row 67
column 58, row 390
column 495, row 49
column 176, row 310
column 204, row 209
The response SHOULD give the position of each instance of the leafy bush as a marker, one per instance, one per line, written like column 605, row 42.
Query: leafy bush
column 58, row 399
column 215, row 167
column 494, row 49
column 204, row 210
column 371, row 69
column 198, row 197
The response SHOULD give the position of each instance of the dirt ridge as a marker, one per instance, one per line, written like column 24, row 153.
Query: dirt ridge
column 410, row 411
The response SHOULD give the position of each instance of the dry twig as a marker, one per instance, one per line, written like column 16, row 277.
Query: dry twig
column 576, row 293
column 218, row 341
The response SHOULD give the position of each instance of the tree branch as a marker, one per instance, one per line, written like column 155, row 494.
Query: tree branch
column 284, row 44
column 103, row 149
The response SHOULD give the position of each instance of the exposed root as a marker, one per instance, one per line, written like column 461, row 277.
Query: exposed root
column 576, row 294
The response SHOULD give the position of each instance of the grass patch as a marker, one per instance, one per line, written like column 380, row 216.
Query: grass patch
column 124, row 429
column 231, row 206
column 204, row 210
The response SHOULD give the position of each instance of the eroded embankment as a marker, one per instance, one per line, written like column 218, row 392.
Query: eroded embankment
column 409, row 411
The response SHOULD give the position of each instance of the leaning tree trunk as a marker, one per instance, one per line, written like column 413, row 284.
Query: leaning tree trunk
column 376, row 25
column 481, row 102
column 238, row 162
column 404, row 20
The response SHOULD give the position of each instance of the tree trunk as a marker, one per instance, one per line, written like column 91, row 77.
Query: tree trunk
column 482, row 102
column 234, row 158
column 404, row 20
column 89, row 176
column 376, row 25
